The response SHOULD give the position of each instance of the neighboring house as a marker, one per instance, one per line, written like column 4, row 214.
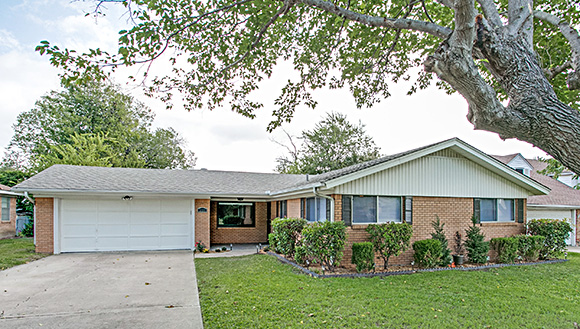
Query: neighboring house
column 105, row 209
column 563, row 201
column 7, row 211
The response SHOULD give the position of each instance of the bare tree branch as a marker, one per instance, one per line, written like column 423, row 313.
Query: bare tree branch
column 490, row 12
column 405, row 24
column 553, row 72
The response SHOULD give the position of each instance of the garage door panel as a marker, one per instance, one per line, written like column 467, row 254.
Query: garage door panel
column 176, row 229
column 108, row 225
column 112, row 230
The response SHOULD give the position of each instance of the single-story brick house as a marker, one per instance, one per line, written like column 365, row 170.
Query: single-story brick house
column 7, row 211
column 563, row 201
column 104, row 209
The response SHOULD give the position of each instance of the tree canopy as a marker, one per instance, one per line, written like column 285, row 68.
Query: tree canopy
column 333, row 143
column 516, row 62
column 94, row 124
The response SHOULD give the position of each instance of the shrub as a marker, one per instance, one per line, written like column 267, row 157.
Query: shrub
column 286, row 232
column 272, row 241
column 390, row 239
column 363, row 256
column 506, row 249
column 322, row 243
column 427, row 253
column 439, row 235
column 477, row 249
column 459, row 250
column 224, row 249
column 555, row 232
column 529, row 246
column 28, row 230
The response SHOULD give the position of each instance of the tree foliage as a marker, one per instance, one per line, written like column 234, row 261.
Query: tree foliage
column 523, row 51
column 390, row 239
column 96, row 125
column 439, row 235
column 333, row 143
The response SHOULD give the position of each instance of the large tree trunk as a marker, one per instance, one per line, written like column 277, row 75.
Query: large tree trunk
column 534, row 113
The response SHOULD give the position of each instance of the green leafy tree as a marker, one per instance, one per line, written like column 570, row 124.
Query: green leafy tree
column 555, row 168
column 99, row 122
column 517, row 62
column 439, row 235
column 11, row 177
column 390, row 239
column 334, row 143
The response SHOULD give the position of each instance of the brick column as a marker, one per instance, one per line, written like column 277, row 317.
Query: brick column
column 202, row 222
column 44, row 208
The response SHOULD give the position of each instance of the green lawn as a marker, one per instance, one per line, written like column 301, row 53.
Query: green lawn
column 260, row 292
column 17, row 251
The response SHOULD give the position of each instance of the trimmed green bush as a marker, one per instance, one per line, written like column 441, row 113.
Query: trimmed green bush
column 427, row 253
column 439, row 234
column 506, row 249
column 322, row 243
column 272, row 241
column 286, row 233
column 390, row 239
column 477, row 249
column 555, row 232
column 363, row 256
column 529, row 246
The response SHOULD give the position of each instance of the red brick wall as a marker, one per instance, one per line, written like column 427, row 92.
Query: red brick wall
column 202, row 227
column 44, row 209
column 454, row 212
column 13, row 212
column 226, row 235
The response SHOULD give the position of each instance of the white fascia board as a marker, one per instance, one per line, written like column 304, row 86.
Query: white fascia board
column 460, row 147
column 11, row 194
column 551, row 206
column 94, row 193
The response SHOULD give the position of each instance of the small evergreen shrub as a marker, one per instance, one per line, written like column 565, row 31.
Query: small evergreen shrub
column 439, row 234
column 286, row 232
column 529, row 246
column 322, row 243
column 28, row 230
column 363, row 256
column 555, row 232
column 477, row 249
column 427, row 253
column 390, row 239
column 506, row 249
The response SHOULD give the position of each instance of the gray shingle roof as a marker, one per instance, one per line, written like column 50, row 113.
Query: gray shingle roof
column 100, row 179
column 560, row 193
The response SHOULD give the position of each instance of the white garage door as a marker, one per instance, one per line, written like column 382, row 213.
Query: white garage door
column 110, row 225
column 555, row 214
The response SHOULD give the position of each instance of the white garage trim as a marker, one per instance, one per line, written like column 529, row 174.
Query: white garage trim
column 56, row 225
column 113, row 224
column 192, row 224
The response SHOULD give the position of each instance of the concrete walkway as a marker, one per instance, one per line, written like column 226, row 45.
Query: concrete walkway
column 237, row 250
column 102, row 290
column 574, row 249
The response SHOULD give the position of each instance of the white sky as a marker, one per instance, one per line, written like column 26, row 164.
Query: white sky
column 221, row 139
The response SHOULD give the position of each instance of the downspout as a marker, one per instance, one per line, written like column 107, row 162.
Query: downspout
column 28, row 197
column 326, row 197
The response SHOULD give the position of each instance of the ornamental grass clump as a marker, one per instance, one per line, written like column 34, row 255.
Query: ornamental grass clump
column 477, row 248
column 390, row 239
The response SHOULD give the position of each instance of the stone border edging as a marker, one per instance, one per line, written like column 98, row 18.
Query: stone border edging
column 370, row 275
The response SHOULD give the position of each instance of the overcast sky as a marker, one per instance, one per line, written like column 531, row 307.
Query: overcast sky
column 221, row 139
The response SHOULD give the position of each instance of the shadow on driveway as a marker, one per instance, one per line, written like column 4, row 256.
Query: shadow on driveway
column 102, row 290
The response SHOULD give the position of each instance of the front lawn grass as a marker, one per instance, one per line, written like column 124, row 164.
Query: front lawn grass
column 17, row 251
column 260, row 292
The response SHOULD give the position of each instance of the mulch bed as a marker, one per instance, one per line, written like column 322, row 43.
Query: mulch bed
column 347, row 272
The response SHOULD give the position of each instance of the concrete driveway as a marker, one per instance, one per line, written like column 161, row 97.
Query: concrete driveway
column 102, row 290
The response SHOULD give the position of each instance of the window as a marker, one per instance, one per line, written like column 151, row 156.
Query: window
column 495, row 210
column 520, row 170
column 282, row 209
column 316, row 209
column 376, row 209
column 5, row 209
column 236, row 214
